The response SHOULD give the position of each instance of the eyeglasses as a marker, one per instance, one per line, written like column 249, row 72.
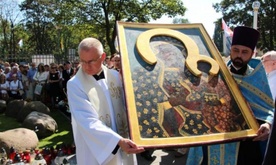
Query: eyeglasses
column 90, row 62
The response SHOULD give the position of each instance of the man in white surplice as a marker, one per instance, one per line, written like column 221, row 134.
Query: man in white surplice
column 269, row 62
column 99, row 122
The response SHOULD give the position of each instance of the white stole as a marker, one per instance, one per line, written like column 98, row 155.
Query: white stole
column 98, row 99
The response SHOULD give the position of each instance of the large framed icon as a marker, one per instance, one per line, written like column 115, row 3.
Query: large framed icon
column 178, row 89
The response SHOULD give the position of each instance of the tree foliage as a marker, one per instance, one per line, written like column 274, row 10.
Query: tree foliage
column 180, row 20
column 240, row 12
column 105, row 13
column 8, row 19
column 38, row 23
column 54, row 26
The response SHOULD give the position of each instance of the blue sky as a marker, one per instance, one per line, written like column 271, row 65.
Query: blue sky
column 198, row 11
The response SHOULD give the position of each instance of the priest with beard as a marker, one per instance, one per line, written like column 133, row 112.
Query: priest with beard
column 250, row 76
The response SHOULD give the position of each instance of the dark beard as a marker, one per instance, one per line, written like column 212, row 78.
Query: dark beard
column 238, row 62
column 240, row 71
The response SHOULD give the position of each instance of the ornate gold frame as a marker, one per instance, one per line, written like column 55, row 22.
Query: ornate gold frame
column 134, row 39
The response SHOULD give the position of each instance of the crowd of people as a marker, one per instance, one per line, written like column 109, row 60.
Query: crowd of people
column 21, row 81
column 42, row 82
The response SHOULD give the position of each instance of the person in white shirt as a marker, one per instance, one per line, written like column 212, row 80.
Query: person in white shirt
column 269, row 62
column 15, row 86
column 7, row 71
column 41, row 75
column 96, row 101
column 14, row 70
column 40, row 78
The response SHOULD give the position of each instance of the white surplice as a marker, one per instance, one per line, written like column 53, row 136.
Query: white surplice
column 271, row 77
column 98, row 118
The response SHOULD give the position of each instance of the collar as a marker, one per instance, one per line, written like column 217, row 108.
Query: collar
column 99, row 75
column 99, row 72
column 240, row 71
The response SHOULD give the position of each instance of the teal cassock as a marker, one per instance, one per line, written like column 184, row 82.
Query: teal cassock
column 256, row 91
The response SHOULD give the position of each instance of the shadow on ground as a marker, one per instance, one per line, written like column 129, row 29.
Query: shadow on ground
column 163, row 157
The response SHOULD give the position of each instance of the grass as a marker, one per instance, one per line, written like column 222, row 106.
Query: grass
column 63, row 135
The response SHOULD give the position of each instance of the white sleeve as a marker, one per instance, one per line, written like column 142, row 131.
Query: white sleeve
column 45, row 76
column 35, row 78
column 87, row 127
column 20, row 84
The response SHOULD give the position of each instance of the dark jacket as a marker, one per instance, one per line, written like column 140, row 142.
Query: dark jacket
column 66, row 76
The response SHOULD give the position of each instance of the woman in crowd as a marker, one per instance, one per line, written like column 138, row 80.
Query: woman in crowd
column 40, row 78
column 15, row 87
column 117, row 62
column 110, row 62
column 14, row 70
column 53, row 80
column 7, row 71
column 4, row 87
column 61, row 69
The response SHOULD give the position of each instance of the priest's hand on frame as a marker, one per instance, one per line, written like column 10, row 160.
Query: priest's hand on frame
column 130, row 147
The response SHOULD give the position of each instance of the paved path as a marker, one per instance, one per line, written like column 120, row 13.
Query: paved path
column 163, row 157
